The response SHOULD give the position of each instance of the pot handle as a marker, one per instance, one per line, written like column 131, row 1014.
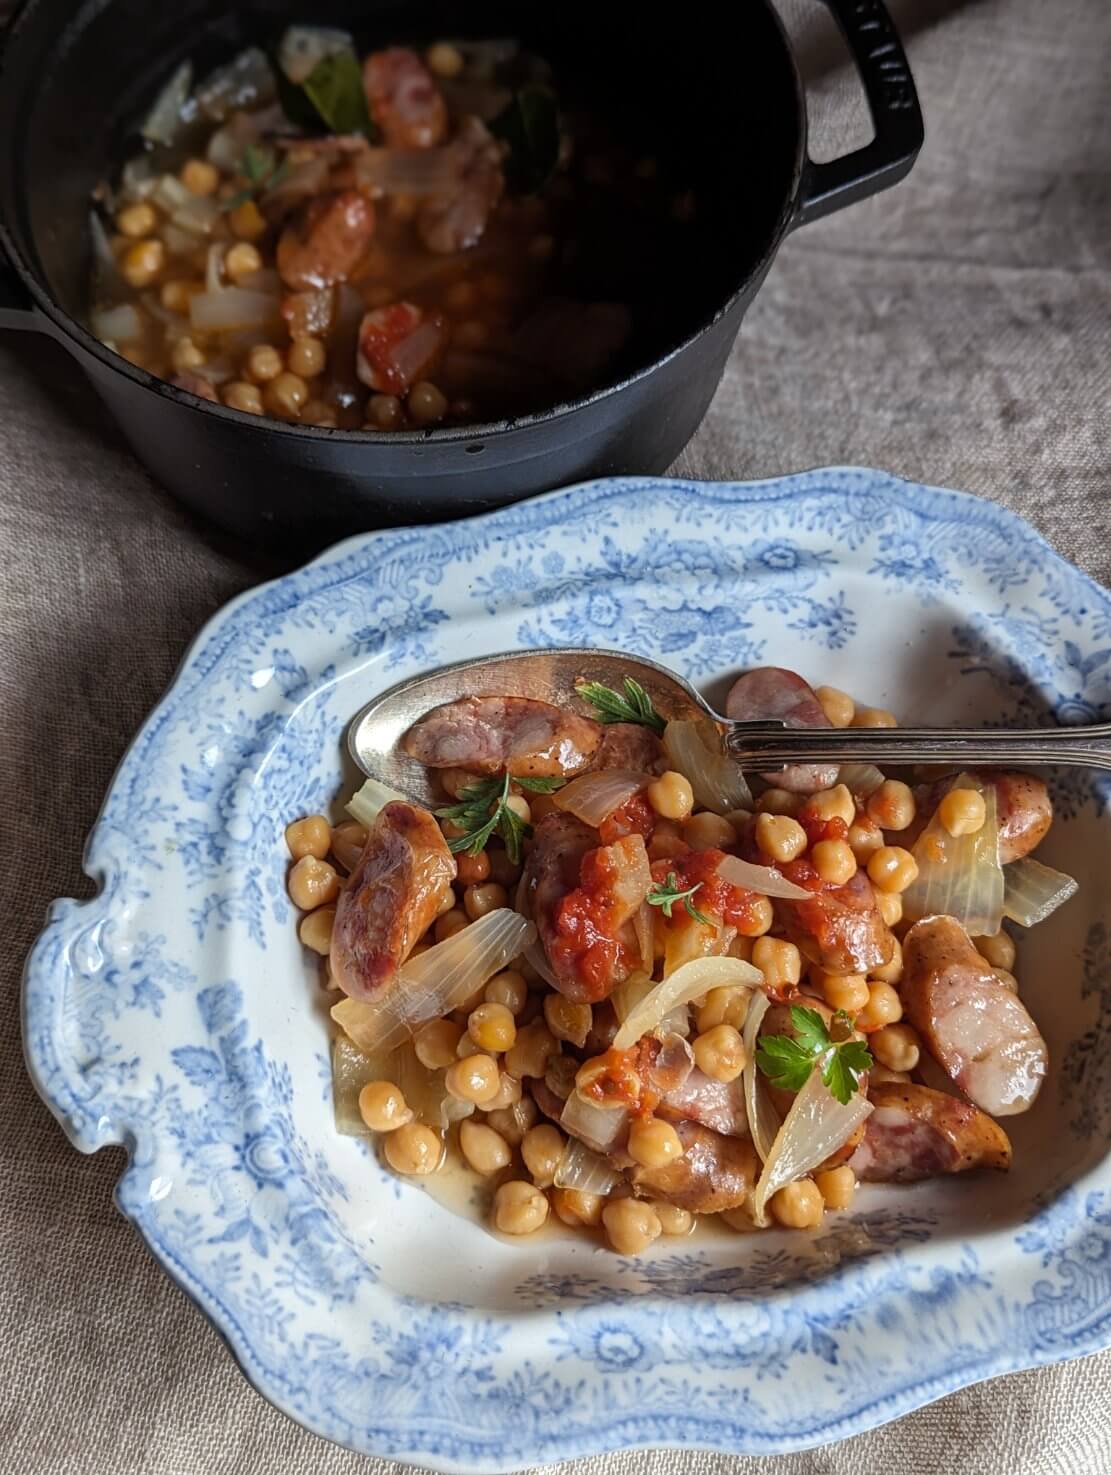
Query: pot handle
column 896, row 114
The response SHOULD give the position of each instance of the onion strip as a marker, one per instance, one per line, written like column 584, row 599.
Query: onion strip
column 764, row 879
column 424, row 1090
column 584, row 1170
column 593, row 797
column 686, row 983
column 1032, row 891
column 598, row 1126
column 815, row 1127
column 696, row 752
column 371, row 799
column 763, row 1119
column 960, row 875
column 234, row 307
column 861, row 779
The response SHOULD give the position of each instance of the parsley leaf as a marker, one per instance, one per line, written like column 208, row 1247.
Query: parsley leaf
column 611, row 706
column 483, row 810
column 788, row 1062
column 666, row 893
column 844, row 1067
column 810, row 1028
column 263, row 171
column 784, row 1061
column 539, row 785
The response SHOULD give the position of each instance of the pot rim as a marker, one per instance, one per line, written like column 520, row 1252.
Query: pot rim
column 63, row 325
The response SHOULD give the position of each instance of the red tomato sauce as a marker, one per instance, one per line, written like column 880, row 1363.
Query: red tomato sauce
column 622, row 1078
column 735, row 906
column 586, row 928
column 635, row 817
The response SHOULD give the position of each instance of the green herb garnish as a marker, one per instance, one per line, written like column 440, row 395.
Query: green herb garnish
column 788, row 1061
column 666, row 893
column 529, row 124
column 262, row 169
column 483, row 810
column 611, row 706
column 335, row 89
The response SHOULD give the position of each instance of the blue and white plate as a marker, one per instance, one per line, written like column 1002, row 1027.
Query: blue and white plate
column 175, row 1013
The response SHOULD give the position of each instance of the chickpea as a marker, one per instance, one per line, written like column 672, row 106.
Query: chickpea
column 502, row 869
column 383, row 1107
column 890, row 905
column 962, row 811
column 879, row 1075
column 309, row 836
column 779, row 801
column 837, row 1186
column 315, row 930
column 798, row 1205
column 631, row 1225
column 507, row 988
column 654, row 1143
column 542, row 805
column 835, row 803
column 834, row 861
column 848, row 991
column 473, row 869
column 242, row 260
column 667, row 841
column 741, row 947
column 890, row 972
column 384, row 412
column 780, row 962
column 485, row 1150
column 758, row 918
column 1007, row 979
column 520, row 807
column 541, row 1148
column 478, row 900
column 264, row 363
column 247, row 221
column 724, row 1006
column 474, row 1078
column 348, row 843
column 891, row 868
column 436, row 1043
column 568, row 1021
column 492, row 1026
column 239, row 395
column 136, row 221
column 720, row 1053
column 200, row 177
column 143, row 261
column 708, row 831
column 307, row 357
column 897, row 1046
column 674, row 1220
column 414, row 1149
column 509, row 1093
column 998, row 948
column 577, row 1208
column 519, row 1208
column 286, row 395
column 873, row 717
column 427, row 404
column 883, row 1007
column 531, row 1050
column 892, row 805
column 186, row 356
column 444, row 59
column 513, row 1122
column 176, row 295
column 312, row 883
column 450, row 923
column 779, row 836
column 447, row 901
column 865, row 837
column 838, row 706
column 671, row 796
column 460, row 297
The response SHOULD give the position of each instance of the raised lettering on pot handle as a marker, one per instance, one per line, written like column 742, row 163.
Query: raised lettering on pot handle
column 896, row 114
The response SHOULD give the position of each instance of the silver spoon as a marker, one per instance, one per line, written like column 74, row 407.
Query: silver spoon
column 551, row 675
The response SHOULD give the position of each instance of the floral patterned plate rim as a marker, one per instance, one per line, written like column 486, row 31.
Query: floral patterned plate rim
column 175, row 1013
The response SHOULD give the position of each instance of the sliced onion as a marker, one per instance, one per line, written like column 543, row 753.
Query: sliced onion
column 598, row 1126
column 685, row 984
column 424, row 1090
column 644, row 925
column 437, row 981
column 371, row 799
column 214, row 269
column 197, row 214
column 227, row 145
column 234, row 307
column 410, row 355
column 763, row 1119
column 673, row 1064
column 437, row 171
column 959, row 875
column 177, row 241
column 765, row 879
column 691, row 940
column 244, row 82
column 695, row 751
column 1032, row 892
column 137, row 177
column 535, row 956
column 302, row 48
column 593, row 797
column 170, row 194
column 816, row 1126
column 266, row 279
column 164, row 121
column 120, row 324
column 861, row 779
column 583, row 1170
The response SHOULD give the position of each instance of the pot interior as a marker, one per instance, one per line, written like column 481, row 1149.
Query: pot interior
column 74, row 86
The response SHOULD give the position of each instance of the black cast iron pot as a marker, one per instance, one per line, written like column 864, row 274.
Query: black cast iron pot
column 74, row 80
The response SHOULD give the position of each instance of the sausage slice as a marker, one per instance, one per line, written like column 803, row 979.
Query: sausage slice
column 840, row 928
column 392, row 896
column 915, row 1132
column 714, row 1173
column 719, row 1105
column 977, row 1030
column 488, row 734
column 630, row 745
column 1023, row 807
column 771, row 692
column 325, row 241
column 403, row 98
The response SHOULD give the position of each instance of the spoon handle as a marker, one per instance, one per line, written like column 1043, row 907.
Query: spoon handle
column 764, row 746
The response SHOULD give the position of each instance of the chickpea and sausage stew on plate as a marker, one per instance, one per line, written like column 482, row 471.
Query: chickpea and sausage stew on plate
column 387, row 241
column 622, row 989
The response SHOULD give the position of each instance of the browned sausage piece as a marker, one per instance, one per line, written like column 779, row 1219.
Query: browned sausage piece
column 489, row 734
column 915, row 1132
column 772, row 692
column 404, row 100
column 197, row 384
column 324, row 243
column 840, row 928
column 1023, row 807
column 719, row 1105
column 977, row 1030
column 632, row 746
column 456, row 220
column 559, row 843
column 714, row 1173
column 392, row 896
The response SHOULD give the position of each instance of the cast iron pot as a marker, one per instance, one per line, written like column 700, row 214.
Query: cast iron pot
column 74, row 80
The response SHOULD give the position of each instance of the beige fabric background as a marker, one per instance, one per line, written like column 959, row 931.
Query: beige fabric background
column 957, row 331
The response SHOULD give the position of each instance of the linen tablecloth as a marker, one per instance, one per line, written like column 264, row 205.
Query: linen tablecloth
column 956, row 331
